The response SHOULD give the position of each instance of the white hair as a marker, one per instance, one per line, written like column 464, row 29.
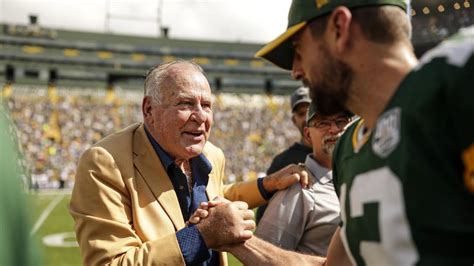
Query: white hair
column 157, row 76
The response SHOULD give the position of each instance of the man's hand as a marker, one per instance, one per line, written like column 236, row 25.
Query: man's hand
column 226, row 223
column 286, row 177
column 202, row 211
column 199, row 214
column 218, row 200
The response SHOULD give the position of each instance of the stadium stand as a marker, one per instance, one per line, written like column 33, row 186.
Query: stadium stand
column 86, row 58
column 55, row 126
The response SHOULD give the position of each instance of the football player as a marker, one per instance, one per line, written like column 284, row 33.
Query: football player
column 404, row 173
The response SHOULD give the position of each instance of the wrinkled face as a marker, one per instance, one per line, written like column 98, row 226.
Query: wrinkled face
column 182, row 122
column 324, row 131
column 329, row 79
column 299, row 116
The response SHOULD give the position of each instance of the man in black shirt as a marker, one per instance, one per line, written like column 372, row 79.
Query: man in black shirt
column 297, row 152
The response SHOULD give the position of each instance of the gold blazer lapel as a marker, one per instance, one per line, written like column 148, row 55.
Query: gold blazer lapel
column 150, row 168
column 212, row 190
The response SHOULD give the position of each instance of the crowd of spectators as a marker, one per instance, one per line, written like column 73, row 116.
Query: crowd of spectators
column 251, row 129
column 55, row 125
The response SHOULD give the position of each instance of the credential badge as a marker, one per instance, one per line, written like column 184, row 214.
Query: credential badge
column 387, row 133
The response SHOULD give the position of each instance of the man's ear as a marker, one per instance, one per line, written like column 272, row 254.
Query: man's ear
column 339, row 25
column 147, row 110
column 307, row 135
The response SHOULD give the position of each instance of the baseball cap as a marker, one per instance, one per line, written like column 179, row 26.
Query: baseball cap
column 280, row 51
column 313, row 110
column 300, row 95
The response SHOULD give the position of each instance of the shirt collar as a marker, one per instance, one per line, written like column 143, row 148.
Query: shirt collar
column 201, row 163
column 322, row 174
column 165, row 158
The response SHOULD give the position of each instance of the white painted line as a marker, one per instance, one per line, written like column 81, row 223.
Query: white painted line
column 66, row 239
column 49, row 192
column 46, row 213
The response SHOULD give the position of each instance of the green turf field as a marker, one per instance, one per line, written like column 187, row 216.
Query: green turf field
column 52, row 226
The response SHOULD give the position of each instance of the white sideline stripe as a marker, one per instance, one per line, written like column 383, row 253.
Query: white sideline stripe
column 46, row 213
column 49, row 192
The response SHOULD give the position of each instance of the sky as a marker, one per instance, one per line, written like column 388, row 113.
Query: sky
column 254, row 21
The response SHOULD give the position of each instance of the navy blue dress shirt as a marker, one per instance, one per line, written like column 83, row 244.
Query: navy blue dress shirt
column 193, row 247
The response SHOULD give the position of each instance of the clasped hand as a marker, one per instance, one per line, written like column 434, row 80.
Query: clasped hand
column 223, row 223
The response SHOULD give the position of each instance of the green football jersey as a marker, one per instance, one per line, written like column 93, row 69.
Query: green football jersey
column 407, row 187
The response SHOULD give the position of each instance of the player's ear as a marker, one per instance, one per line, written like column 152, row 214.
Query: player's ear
column 339, row 25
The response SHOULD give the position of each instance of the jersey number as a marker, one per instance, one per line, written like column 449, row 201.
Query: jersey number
column 396, row 246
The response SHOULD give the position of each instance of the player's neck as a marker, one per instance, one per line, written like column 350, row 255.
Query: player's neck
column 377, row 78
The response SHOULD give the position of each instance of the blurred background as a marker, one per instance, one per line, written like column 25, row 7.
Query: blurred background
column 72, row 72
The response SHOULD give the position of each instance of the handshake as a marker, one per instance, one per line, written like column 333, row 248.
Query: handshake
column 222, row 223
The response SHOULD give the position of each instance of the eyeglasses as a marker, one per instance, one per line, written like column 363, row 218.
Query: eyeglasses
column 325, row 124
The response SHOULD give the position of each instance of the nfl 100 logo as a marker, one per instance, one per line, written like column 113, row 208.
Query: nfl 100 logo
column 387, row 132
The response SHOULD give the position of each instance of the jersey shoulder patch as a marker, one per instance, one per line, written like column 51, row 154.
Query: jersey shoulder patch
column 387, row 132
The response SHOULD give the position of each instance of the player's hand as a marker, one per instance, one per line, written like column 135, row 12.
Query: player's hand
column 286, row 177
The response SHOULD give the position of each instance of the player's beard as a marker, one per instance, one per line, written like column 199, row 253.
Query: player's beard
column 334, row 79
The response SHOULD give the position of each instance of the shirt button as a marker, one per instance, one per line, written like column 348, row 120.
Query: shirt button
column 181, row 187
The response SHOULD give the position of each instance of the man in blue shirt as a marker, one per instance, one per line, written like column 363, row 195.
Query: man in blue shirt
column 136, row 189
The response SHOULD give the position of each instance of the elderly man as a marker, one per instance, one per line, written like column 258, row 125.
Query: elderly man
column 135, row 189
column 411, row 156
column 305, row 219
